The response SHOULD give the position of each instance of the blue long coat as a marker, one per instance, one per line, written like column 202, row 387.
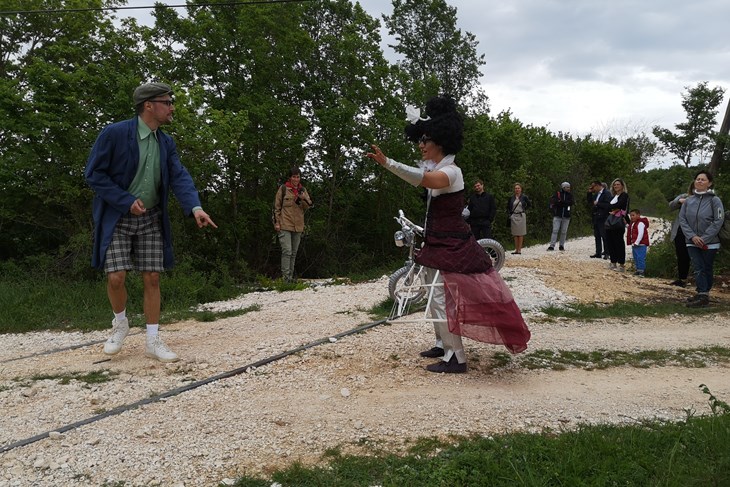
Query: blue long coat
column 110, row 169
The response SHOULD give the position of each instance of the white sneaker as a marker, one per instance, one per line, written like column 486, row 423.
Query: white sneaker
column 120, row 329
column 156, row 348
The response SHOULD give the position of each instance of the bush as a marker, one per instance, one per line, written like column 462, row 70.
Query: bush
column 661, row 260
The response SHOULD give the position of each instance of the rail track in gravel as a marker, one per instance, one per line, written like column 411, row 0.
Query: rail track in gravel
column 172, row 392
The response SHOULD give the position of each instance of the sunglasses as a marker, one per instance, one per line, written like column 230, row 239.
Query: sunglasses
column 164, row 102
column 424, row 138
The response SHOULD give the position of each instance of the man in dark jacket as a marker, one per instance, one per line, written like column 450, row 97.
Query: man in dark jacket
column 132, row 168
column 560, row 203
column 599, row 199
column 482, row 210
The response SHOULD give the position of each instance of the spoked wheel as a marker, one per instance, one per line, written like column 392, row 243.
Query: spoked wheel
column 495, row 251
column 405, row 285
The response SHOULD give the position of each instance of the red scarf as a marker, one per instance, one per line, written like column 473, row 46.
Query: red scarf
column 293, row 189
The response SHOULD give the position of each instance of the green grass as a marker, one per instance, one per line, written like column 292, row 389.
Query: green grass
column 693, row 452
column 629, row 309
column 28, row 304
column 95, row 377
column 603, row 359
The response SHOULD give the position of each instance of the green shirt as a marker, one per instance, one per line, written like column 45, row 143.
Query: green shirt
column 146, row 182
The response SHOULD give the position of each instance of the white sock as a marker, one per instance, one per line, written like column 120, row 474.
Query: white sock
column 121, row 315
column 152, row 330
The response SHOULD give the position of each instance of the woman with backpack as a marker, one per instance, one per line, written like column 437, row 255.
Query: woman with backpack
column 290, row 203
column 701, row 218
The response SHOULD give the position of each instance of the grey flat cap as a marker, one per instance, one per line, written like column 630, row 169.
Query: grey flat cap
column 150, row 90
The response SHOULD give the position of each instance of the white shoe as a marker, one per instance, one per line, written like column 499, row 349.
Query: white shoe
column 156, row 348
column 120, row 329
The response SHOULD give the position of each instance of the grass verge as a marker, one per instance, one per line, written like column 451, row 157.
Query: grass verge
column 54, row 304
column 604, row 359
column 629, row 309
column 693, row 452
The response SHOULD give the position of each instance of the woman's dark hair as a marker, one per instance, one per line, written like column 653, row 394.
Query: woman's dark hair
column 294, row 171
column 445, row 125
column 709, row 176
column 692, row 184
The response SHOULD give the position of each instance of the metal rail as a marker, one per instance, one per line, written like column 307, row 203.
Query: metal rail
column 186, row 388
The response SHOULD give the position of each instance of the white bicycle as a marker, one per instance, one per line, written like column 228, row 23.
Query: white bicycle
column 407, row 286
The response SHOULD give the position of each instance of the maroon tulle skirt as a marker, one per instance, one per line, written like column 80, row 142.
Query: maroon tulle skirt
column 481, row 307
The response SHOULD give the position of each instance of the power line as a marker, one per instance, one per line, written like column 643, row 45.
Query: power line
column 150, row 7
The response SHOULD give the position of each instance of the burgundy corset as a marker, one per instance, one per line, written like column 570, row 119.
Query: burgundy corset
column 449, row 244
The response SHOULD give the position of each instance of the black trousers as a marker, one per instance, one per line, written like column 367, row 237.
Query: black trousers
column 481, row 230
column 680, row 248
column 616, row 246
column 599, row 233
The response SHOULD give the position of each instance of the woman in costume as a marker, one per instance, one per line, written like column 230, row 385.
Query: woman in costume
column 470, row 298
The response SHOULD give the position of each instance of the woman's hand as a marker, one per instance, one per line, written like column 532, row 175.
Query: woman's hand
column 377, row 155
column 697, row 240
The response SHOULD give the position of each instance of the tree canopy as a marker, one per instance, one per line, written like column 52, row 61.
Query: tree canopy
column 697, row 135
column 260, row 88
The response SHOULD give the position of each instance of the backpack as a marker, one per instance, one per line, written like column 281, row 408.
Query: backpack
column 724, row 233
column 554, row 199
column 281, row 194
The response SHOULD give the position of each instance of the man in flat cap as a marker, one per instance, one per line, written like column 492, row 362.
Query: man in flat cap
column 132, row 168
column 560, row 203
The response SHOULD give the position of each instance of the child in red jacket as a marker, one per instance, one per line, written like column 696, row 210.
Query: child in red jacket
column 637, row 236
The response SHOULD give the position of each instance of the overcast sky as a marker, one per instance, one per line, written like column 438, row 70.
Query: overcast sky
column 589, row 66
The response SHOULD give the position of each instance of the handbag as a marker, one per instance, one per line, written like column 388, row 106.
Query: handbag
column 615, row 222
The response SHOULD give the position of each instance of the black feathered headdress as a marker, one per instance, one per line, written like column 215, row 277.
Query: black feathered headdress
column 443, row 124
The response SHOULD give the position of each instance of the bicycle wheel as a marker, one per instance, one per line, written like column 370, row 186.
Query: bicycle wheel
column 495, row 251
column 405, row 285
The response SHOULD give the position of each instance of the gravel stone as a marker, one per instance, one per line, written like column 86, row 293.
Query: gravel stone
column 356, row 392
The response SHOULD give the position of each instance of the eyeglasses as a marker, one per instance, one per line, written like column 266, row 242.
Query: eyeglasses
column 164, row 102
column 424, row 138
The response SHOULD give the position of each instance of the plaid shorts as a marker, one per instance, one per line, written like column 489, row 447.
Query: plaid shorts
column 136, row 243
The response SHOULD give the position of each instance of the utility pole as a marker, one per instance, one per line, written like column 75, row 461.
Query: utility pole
column 720, row 144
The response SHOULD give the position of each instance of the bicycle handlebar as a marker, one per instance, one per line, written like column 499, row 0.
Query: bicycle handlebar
column 405, row 222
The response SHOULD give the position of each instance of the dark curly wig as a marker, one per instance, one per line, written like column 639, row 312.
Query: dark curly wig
column 445, row 127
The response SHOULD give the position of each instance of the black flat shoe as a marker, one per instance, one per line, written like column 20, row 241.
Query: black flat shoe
column 433, row 352
column 450, row 367
column 702, row 301
column 678, row 282
column 595, row 256
column 516, row 253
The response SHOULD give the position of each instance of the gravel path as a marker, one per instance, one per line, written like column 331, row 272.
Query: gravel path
column 361, row 390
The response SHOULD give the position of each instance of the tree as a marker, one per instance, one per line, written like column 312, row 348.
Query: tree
column 63, row 78
column 434, row 48
column 695, row 136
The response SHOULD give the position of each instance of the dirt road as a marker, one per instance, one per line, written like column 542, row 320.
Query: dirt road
column 354, row 392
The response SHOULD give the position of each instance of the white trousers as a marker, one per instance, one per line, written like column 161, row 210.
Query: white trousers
column 450, row 342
